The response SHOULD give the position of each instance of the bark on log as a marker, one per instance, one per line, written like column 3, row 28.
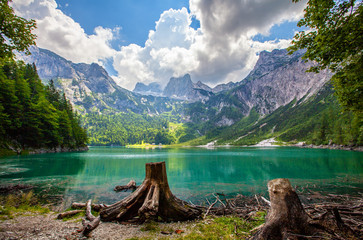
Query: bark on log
column 94, row 221
column 286, row 214
column 89, row 214
column 95, row 207
column 90, row 226
column 131, row 185
column 68, row 214
column 287, row 218
column 151, row 200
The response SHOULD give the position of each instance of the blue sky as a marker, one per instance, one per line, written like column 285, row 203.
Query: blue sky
column 216, row 41
column 135, row 17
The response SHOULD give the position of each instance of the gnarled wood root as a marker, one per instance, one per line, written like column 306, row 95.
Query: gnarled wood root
column 151, row 200
column 287, row 218
column 130, row 186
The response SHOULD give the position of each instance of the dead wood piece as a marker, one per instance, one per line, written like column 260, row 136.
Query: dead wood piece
column 95, row 207
column 209, row 208
column 287, row 218
column 68, row 214
column 15, row 188
column 89, row 214
column 286, row 213
column 90, row 226
column 266, row 201
column 130, row 186
column 151, row 200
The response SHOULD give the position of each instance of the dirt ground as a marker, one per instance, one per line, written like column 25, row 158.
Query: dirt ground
column 46, row 226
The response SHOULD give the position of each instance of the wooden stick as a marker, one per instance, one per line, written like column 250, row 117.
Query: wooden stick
column 266, row 201
column 90, row 226
column 68, row 214
column 206, row 213
column 89, row 214
column 95, row 207
column 130, row 185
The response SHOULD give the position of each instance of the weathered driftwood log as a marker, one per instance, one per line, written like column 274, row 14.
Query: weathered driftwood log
column 287, row 218
column 130, row 186
column 95, row 207
column 68, row 214
column 88, row 227
column 151, row 200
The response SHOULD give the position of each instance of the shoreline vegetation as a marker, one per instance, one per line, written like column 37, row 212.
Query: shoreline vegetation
column 35, row 118
column 25, row 215
column 18, row 151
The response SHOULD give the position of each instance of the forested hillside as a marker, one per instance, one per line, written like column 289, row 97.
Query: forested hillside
column 126, row 128
column 34, row 116
column 316, row 120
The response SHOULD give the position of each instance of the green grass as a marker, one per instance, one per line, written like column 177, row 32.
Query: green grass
column 226, row 227
column 6, row 152
column 19, row 204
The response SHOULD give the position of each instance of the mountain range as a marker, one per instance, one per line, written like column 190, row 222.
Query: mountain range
column 277, row 80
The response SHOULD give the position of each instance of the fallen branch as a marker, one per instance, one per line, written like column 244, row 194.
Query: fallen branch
column 89, row 214
column 266, row 201
column 68, row 214
column 131, row 185
column 95, row 207
column 206, row 213
column 94, row 221
column 90, row 226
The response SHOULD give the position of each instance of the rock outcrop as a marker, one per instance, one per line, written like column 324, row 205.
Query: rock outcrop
column 183, row 88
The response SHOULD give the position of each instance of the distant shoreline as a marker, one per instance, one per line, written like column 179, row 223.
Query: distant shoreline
column 18, row 151
column 332, row 147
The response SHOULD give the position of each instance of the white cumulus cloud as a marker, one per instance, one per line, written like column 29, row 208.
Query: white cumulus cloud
column 62, row 35
column 221, row 50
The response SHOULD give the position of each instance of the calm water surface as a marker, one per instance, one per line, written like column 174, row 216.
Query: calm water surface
column 193, row 173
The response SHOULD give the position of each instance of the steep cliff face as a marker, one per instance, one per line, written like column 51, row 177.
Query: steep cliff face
column 276, row 80
column 89, row 87
column 153, row 89
column 183, row 88
column 224, row 87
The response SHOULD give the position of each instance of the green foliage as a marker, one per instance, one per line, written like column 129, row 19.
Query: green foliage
column 334, row 41
column 17, row 204
column 15, row 32
column 226, row 227
column 126, row 128
column 318, row 120
column 32, row 115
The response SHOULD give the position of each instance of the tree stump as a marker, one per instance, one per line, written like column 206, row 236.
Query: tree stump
column 287, row 218
column 286, row 214
column 151, row 200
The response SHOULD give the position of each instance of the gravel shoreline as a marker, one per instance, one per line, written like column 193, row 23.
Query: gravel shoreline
column 46, row 226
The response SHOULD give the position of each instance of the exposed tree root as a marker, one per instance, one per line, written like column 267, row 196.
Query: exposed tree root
column 287, row 218
column 130, row 186
column 151, row 200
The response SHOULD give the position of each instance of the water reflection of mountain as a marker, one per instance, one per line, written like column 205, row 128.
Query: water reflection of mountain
column 201, row 171
column 50, row 174
column 192, row 172
column 44, row 165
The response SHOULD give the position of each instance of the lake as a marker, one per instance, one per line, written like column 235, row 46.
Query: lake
column 193, row 173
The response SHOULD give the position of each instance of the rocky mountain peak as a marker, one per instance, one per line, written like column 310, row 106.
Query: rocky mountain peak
column 183, row 88
column 153, row 89
column 179, row 87
column 269, row 61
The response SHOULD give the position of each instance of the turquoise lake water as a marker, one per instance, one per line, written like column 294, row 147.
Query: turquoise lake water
column 193, row 173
